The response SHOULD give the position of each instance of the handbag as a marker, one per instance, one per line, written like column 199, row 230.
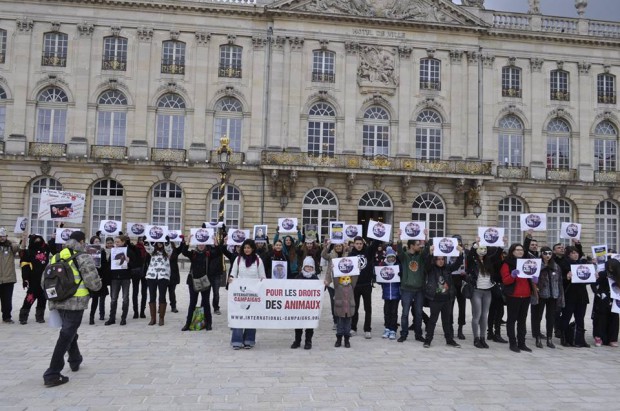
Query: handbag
column 200, row 283
column 467, row 290
column 198, row 319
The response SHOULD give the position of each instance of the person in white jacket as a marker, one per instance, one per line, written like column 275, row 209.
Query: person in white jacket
column 247, row 265
column 158, row 277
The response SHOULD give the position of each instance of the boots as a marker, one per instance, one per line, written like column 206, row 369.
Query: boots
column 162, row 312
column 39, row 316
column 477, row 343
column 185, row 327
column 297, row 342
column 490, row 334
column 23, row 316
column 91, row 320
column 173, row 308
column 498, row 338
column 153, row 311
column 135, row 314
column 460, row 334
column 112, row 319
column 539, row 343
column 308, row 343
column 484, row 343
column 550, row 343
column 124, row 316
column 338, row 341
column 346, row 342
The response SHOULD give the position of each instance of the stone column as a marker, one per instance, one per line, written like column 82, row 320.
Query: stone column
column 84, row 122
column 144, row 125
column 582, row 144
column 23, row 120
column 351, row 143
column 295, row 79
column 260, row 49
column 201, row 47
column 277, row 94
column 458, row 106
column 470, row 103
column 401, row 142
column 539, row 95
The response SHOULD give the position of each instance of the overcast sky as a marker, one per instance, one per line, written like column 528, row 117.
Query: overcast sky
column 597, row 9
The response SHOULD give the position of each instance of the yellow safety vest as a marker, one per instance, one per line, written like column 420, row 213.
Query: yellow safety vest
column 65, row 254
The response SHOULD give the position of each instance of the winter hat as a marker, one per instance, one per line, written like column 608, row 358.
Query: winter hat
column 2, row 232
column 308, row 261
column 390, row 254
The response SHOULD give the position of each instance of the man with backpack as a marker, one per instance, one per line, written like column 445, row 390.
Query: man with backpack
column 70, row 299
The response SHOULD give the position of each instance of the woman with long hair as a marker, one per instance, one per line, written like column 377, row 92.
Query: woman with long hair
column 157, row 278
column 548, row 298
column 518, row 292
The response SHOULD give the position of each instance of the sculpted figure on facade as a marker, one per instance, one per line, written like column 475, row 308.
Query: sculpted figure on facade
column 473, row 3
column 354, row 7
column 413, row 10
column 377, row 66
column 534, row 7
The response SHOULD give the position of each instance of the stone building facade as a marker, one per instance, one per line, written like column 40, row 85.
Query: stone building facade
column 335, row 109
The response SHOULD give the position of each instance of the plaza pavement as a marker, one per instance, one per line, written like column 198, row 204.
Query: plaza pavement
column 137, row 367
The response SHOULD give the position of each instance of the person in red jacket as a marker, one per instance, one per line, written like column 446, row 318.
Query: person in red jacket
column 518, row 292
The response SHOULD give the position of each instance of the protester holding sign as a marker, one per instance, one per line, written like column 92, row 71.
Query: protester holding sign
column 549, row 297
column 98, row 297
column 363, row 288
column 328, row 255
column 308, row 272
column 33, row 263
column 138, row 279
column 246, row 265
column 275, row 254
column 604, row 321
column 518, row 292
column 291, row 252
column 121, row 279
column 157, row 266
column 391, row 296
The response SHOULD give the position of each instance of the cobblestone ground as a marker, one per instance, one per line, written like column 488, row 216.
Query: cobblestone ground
column 137, row 367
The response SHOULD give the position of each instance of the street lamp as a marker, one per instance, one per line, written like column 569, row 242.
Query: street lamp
column 224, row 153
column 472, row 198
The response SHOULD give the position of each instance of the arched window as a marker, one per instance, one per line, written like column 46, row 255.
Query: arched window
column 323, row 66
column 428, row 135
column 559, row 211
column 230, row 61
column 167, row 200
column 606, row 88
column 55, row 47
column 375, row 199
column 605, row 146
column 45, row 228
column 429, row 208
column 170, row 121
column 173, row 57
column 107, row 203
column 51, row 116
column 111, row 118
column 228, row 122
column 321, row 130
column 511, row 81
column 510, row 142
column 320, row 206
column 558, row 145
column 2, row 112
column 232, row 206
column 376, row 132
column 606, row 224
column 509, row 217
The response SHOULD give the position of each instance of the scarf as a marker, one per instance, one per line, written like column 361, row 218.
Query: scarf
column 249, row 260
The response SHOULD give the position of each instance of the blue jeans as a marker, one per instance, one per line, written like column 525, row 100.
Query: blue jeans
column 66, row 343
column 117, row 285
column 243, row 336
column 344, row 326
column 407, row 298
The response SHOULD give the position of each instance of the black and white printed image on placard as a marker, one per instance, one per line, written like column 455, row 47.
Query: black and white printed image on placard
column 446, row 247
column 491, row 236
column 533, row 221
column 351, row 231
column 118, row 258
column 379, row 231
column 599, row 254
column 279, row 270
column 583, row 273
column 571, row 231
column 287, row 225
column 615, row 306
column 412, row 230
column 614, row 289
column 156, row 233
column 63, row 234
column 110, row 227
column 346, row 266
column 21, row 225
column 201, row 236
column 388, row 273
column 94, row 250
column 136, row 229
column 336, row 232
column 237, row 237
column 214, row 224
column 528, row 267
column 260, row 233
column 175, row 236
column 61, row 206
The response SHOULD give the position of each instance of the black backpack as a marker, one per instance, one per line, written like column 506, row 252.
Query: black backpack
column 58, row 279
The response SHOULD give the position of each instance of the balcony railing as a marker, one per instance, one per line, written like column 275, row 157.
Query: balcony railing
column 559, row 25
column 606, row 176
column 47, row 149
column 114, row 64
column 53, row 60
column 230, row 72
column 511, row 92
column 243, row 2
column 511, row 21
column 512, row 172
column 607, row 98
column 560, row 95
column 235, row 159
column 168, row 154
column 354, row 161
column 430, row 85
column 562, row 174
column 108, row 152
column 176, row 66
column 600, row 29
column 323, row 77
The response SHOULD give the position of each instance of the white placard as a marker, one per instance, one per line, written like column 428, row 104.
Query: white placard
column 202, row 236
column 528, row 267
column 136, row 229
column 570, row 231
column 156, row 233
column 287, row 225
column 237, row 237
column 54, row 320
column 352, row 230
column 583, row 273
column 94, row 250
column 62, row 234
column 445, row 247
column 175, row 235
column 599, row 255
column 533, row 221
column 379, row 231
column 458, row 271
column 279, row 270
column 214, row 224
column 412, row 230
column 491, row 236
column 614, row 256
column 615, row 306
column 110, row 227
column 336, row 232
column 118, row 258
column 345, row 266
column 21, row 225
column 61, row 206
column 614, row 289
column 259, row 233
column 388, row 273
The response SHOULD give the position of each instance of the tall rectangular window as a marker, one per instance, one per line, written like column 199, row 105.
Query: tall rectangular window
column 114, row 54
column 606, row 88
column 230, row 61
column 559, row 85
column 511, row 82
column 55, row 47
column 430, row 74
column 2, row 46
column 173, row 57
column 558, row 153
column 605, row 155
column 323, row 66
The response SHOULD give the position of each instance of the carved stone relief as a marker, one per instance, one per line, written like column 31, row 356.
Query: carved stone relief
column 377, row 66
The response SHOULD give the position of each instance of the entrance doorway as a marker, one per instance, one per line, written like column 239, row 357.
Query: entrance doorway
column 374, row 205
column 364, row 216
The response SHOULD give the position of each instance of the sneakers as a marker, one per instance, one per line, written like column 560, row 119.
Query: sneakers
column 427, row 344
column 393, row 335
column 525, row 348
column 402, row 338
column 216, row 312
column 353, row 332
column 367, row 335
column 60, row 380
column 598, row 342
column 386, row 333
column 419, row 338
column 613, row 344
column 451, row 343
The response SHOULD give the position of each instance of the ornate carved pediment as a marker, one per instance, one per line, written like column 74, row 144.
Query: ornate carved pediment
column 434, row 11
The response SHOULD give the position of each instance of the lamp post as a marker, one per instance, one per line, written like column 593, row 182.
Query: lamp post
column 223, row 153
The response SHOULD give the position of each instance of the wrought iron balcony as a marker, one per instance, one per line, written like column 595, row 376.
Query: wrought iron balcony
column 168, row 155
column 53, row 60
column 511, row 92
column 114, row 64
column 430, row 85
column 512, row 172
column 560, row 95
column 235, row 159
column 323, row 77
column 173, row 66
column 108, row 152
column 47, row 149
column 230, row 71
column 607, row 98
